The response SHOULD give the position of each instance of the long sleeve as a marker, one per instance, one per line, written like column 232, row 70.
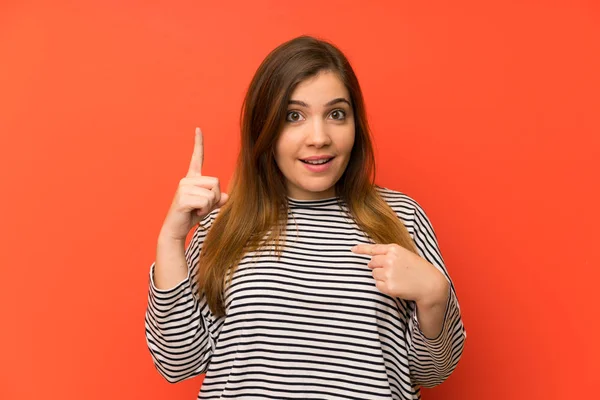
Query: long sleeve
column 431, row 361
column 180, row 331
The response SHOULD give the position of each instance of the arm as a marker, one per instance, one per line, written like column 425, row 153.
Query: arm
column 433, row 357
column 178, row 325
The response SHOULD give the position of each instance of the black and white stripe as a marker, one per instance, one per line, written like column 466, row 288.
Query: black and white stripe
column 309, row 325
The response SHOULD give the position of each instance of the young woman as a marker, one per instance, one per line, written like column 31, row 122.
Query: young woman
column 307, row 280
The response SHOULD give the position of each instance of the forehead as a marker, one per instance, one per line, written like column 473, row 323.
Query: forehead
column 319, row 89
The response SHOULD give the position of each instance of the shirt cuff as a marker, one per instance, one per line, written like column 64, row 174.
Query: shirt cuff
column 440, row 338
column 165, row 294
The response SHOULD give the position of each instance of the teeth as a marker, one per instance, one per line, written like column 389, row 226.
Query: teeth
column 317, row 162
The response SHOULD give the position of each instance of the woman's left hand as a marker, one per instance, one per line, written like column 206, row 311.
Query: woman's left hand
column 401, row 273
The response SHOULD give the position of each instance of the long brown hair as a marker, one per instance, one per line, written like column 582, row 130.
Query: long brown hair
column 257, row 205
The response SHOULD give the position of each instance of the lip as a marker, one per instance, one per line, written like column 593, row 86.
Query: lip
column 315, row 158
column 319, row 167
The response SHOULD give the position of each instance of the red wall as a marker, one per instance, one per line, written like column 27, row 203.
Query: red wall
column 485, row 112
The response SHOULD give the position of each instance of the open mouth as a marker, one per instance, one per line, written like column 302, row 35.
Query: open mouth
column 317, row 162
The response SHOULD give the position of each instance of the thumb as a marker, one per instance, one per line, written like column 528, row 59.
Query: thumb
column 224, row 198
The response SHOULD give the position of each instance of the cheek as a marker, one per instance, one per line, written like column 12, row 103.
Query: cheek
column 284, row 149
column 347, row 142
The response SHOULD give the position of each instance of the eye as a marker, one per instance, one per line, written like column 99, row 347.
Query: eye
column 293, row 116
column 338, row 114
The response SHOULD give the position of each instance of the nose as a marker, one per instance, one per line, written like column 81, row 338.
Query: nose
column 318, row 134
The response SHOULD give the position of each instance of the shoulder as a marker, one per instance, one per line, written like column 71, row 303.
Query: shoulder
column 400, row 202
column 396, row 198
column 406, row 207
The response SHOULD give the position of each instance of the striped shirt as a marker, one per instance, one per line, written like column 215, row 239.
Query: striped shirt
column 309, row 325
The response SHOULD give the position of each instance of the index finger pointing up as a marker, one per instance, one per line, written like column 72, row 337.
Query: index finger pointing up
column 197, row 156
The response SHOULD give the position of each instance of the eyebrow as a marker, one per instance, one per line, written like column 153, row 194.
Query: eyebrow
column 332, row 102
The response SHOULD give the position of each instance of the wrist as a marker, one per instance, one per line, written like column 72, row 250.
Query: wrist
column 436, row 294
column 164, row 238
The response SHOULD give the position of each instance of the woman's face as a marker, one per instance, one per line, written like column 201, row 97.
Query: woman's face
column 319, row 126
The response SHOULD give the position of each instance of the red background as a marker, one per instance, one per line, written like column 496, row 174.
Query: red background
column 486, row 112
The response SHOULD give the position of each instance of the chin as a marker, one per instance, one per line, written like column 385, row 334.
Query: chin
column 316, row 189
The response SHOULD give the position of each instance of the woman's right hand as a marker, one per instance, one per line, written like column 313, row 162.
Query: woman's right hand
column 196, row 197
